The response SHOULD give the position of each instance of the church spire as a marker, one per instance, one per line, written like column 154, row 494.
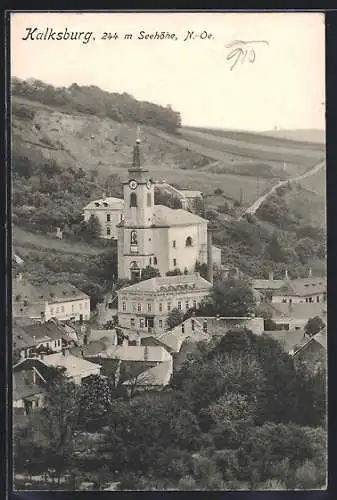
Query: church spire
column 136, row 151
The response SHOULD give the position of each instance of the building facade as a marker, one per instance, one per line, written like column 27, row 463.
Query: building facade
column 305, row 290
column 144, row 307
column 155, row 235
column 109, row 211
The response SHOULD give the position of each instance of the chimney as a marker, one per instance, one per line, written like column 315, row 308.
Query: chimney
column 103, row 196
column 34, row 339
column 286, row 274
column 209, row 256
column 271, row 276
column 310, row 272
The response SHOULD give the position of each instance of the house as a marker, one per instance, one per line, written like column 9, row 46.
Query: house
column 30, row 339
column 191, row 329
column 294, row 316
column 290, row 340
column 28, row 390
column 220, row 325
column 144, row 306
column 303, row 290
column 109, row 212
column 313, row 352
column 61, row 300
column 155, row 377
column 189, row 197
column 155, row 235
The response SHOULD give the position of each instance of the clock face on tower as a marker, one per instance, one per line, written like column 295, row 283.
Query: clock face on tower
column 148, row 184
column 133, row 184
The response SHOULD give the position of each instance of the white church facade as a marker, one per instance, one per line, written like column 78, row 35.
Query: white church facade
column 155, row 235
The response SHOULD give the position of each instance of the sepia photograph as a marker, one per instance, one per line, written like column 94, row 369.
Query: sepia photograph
column 169, row 280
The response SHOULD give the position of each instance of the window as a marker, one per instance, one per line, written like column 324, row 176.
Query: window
column 133, row 200
column 133, row 238
column 169, row 306
column 149, row 307
column 59, row 342
column 174, row 243
column 189, row 241
column 108, row 217
column 160, row 307
column 132, row 321
column 160, row 323
column 183, row 328
column 193, row 325
column 149, row 199
column 155, row 261
column 55, row 343
column 141, row 323
column 139, row 307
column 187, row 305
column 72, row 307
column 317, row 298
column 121, row 217
column 179, row 305
column 62, row 309
column 124, row 306
column 150, row 261
column 57, row 309
column 194, row 304
column 108, row 231
column 175, row 262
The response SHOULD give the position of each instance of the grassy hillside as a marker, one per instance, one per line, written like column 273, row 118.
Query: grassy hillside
column 68, row 150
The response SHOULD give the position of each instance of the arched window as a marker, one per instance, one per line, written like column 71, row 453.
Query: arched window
column 149, row 199
column 108, row 231
column 133, row 238
column 189, row 241
column 155, row 262
column 134, row 271
column 133, row 200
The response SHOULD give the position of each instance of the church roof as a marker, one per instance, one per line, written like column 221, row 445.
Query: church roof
column 165, row 216
column 105, row 203
column 175, row 284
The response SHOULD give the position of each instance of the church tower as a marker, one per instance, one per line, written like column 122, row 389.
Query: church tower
column 135, row 242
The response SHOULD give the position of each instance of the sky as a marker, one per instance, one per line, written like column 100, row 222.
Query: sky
column 284, row 87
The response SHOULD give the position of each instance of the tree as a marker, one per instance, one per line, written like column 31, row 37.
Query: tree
column 149, row 272
column 314, row 325
column 229, row 298
column 275, row 250
column 174, row 318
column 202, row 269
column 174, row 272
column 92, row 228
column 96, row 397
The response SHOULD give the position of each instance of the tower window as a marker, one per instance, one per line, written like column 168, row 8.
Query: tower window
column 108, row 217
column 108, row 231
column 174, row 243
column 124, row 306
column 174, row 262
column 133, row 238
column 155, row 261
column 189, row 241
column 149, row 199
column 133, row 200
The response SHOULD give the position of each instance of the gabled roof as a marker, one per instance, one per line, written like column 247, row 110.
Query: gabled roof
column 175, row 284
column 303, row 287
column 158, row 375
column 23, row 385
column 267, row 284
column 110, row 203
column 58, row 292
column 165, row 216
column 304, row 310
column 74, row 365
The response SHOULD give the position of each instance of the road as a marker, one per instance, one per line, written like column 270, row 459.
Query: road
column 252, row 209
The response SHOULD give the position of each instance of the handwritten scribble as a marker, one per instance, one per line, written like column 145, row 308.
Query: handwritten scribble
column 239, row 51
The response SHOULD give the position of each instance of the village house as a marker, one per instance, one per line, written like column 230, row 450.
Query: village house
column 31, row 375
column 35, row 338
column 62, row 301
column 303, row 290
column 189, row 198
column 109, row 212
column 155, row 235
column 294, row 316
column 313, row 352
column 144, row 306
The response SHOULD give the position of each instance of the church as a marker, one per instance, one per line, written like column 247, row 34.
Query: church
column 155, row 235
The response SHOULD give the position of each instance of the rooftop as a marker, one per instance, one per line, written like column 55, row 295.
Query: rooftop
column 165, row 216
column 74, row 365
column 303, row 310
column 173, row 284
column 191, row 194
column 267, row 284
column 23, row 385
column 58, row 292
column 106, row 203
column 304, row 286
column 158, row 375
column 288, row 339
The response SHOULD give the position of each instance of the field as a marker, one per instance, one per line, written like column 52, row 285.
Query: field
column 23, row 240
